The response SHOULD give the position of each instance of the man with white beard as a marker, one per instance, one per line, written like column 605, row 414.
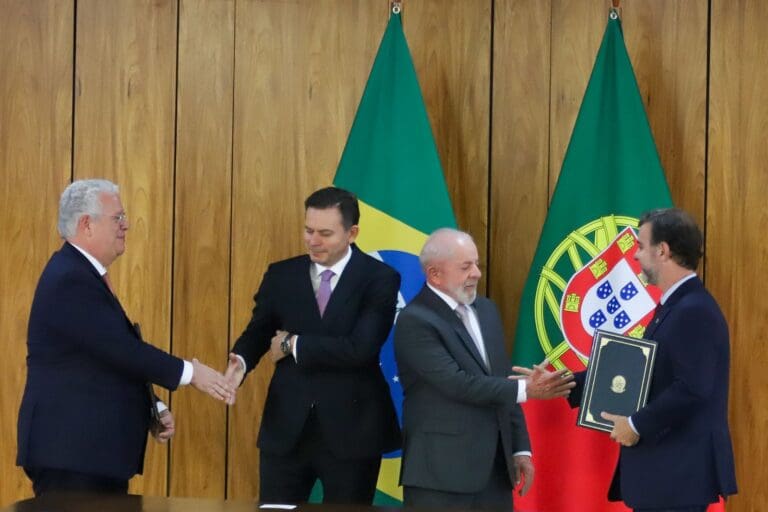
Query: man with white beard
column 465, row 442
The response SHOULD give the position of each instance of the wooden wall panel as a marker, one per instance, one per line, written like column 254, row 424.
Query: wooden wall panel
column 577, row 29
column 124, row 130
column 300, row 69
column 450, row 44
column 667, row 43
column 36, row 45
column 519, row 148
column 201, row 238
column 736, row 253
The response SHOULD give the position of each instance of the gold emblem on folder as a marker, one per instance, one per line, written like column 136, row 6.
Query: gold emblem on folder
column 618, row 384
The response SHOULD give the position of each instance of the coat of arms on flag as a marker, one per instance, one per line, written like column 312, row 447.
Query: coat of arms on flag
column 608, row 293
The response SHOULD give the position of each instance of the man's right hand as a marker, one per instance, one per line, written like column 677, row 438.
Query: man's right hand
column 208, row 380
column 234, row 375
column 542, row 384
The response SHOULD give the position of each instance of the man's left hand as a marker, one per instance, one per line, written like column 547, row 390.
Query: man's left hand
column 275, row 350
column 523, row 473
column 166, row 428
column 622, row 433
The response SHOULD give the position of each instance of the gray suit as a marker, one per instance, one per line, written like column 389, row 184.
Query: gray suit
column 455, row 409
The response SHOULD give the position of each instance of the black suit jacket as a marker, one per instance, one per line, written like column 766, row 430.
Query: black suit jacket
column 684, row 456
column 455, row 409
column 85, row 406
column 336, row 371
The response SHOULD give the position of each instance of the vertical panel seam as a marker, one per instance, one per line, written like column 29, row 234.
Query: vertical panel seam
column 173, row 222
column 489, row 192
column 706, row 136
column 231, row 236
column 549, row 119
column 74, row 94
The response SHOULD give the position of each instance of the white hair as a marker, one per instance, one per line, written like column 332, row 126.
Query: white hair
column 437, row 248
column 82, row 197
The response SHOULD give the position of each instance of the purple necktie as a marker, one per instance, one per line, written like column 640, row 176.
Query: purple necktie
column 324, row 291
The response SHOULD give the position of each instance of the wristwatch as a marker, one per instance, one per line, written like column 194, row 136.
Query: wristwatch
column 285, row 345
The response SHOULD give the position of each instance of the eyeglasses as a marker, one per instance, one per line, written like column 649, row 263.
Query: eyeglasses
column 120, row 219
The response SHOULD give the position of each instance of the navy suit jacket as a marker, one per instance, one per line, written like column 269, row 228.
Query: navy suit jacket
column 455, row 409
column 336, row 371
column 684, row 456
column 85, row 406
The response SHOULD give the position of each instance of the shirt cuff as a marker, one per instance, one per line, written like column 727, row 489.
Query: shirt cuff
column 632, row 425
column 295, row 344
column 242, row 362
column 522, row 396
column 524, row 452
column 186, row 375
column 161, row 407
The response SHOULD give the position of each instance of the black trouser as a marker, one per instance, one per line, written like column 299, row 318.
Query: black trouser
column 289, row 478
column 49, row 480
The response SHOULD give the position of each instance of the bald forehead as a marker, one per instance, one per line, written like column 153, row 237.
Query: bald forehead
column 443, row 245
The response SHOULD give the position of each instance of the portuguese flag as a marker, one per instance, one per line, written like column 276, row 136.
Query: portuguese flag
column 391, row 163
column 611, row 174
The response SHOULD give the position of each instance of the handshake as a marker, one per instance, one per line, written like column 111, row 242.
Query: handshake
column 224, row 386
column 542, row 384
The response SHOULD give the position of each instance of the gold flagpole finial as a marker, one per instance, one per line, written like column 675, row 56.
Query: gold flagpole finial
column 396, row 6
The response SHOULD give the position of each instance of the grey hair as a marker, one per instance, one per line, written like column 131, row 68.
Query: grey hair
column 435, row 247
column 82, row 197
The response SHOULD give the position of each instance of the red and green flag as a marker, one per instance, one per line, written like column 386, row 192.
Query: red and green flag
column 611, row 174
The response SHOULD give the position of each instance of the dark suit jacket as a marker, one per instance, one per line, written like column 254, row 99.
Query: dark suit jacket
column 85, row 406
column 337, row 367
column 684, row 456
column 455, row 410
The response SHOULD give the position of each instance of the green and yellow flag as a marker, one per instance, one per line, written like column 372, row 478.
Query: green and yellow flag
column 391, row 163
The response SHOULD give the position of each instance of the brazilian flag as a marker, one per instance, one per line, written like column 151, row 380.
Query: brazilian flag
column 391, row 163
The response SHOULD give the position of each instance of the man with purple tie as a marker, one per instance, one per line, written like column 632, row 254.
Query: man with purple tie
column 323, row 318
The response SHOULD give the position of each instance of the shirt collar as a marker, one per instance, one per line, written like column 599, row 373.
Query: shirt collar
column 101, row 269
column 452, row 303
column 672, row 289
column 338, row 267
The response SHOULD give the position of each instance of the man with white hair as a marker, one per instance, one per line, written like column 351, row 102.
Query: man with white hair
column 465, row 439
column 86, row 409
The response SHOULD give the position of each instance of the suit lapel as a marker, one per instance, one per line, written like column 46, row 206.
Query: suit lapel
column 493, row 348
column 450, row 316
column 349, row 279
column 661, row 312
column 673, row 299
column 303, row 293
column 83, row 261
